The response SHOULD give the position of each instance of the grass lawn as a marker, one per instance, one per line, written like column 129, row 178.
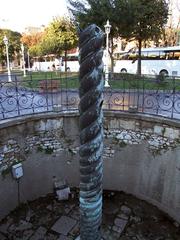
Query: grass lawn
column 65, row 80
column 120, row 81
column 127, row 81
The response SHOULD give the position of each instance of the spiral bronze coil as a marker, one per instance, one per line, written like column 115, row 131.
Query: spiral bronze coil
column 91, row 132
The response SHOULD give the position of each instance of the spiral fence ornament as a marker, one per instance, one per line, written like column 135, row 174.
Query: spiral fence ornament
column 91, row 131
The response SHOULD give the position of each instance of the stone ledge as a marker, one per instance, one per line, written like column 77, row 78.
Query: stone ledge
column 27, row 118
column 74, row 113
column 143, row 117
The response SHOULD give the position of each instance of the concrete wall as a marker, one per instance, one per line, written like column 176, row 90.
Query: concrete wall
column 141, row 156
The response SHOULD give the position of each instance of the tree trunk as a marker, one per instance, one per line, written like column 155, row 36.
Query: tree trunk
column 111, row 56
column 91, row 132
column 65, row 60
column 139, row 57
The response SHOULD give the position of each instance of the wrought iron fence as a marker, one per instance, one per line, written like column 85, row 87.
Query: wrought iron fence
column 51, row 91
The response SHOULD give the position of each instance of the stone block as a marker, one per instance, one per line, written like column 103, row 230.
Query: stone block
column 39, row 234
column 59, row 123
column 2, row 237
column 24, row 225
column 4, row 227
column 158, row 130
column 125, row 124
column 63, row 194
column 49, row 125
column 126, row 210
column 171, row 133
column 53, row 124
column 40, row 126
column 64, row 225
column 119, row 225
column 62, row 237
column 27, row 234
column 114, row 124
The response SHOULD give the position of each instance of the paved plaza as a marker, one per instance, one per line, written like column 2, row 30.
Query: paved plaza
column 124, row 217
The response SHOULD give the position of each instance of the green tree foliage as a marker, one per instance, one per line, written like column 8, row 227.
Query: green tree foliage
column 14, row 45
column 59, row 36
column 131, row 19
column 87, row 12
column 35, row 50
column 148, row 20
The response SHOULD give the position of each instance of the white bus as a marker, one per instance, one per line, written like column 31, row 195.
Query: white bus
column 164, row 60
column 71, row 61
column 57, row 64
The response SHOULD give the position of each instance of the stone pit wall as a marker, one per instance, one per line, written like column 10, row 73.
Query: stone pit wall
column 141, row 156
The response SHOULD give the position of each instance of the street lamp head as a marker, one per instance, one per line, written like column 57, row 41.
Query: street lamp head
column 107, row 27
column 5, row 39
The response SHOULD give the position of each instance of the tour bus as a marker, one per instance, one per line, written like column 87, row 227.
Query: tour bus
column 57, row 64
column 162, row 60
column 71, row 61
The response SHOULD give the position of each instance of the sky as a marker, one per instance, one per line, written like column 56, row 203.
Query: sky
column 18, row 14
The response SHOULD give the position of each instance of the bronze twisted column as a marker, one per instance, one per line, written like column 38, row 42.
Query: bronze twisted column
column 91, row 132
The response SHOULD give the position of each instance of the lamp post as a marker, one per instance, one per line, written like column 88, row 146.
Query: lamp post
column 29, row 68
column 5, row 39
column 23, row 62
column 107, row 31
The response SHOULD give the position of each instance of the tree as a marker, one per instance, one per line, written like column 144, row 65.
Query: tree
column 13, row 43
column 32, row 43
column 60, row 36
column 131, row 19
column 31, row 40
column 148, row 22
column 171, row 32
column 91, row 11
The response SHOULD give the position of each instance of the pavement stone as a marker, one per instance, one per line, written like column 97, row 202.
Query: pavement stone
column 50, row 236
column 2, row 237
column 27, row 234
column 126, row 210
column 63, row 225
column 119, row 225
column 3, row 228
column 39, row 234
column 24, row 225
column 124, row 218
column 62, row 237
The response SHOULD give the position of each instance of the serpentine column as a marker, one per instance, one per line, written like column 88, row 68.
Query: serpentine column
column 91, row 132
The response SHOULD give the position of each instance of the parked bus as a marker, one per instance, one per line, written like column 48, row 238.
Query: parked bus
column 57, row 64
column 71, row 61
column 165, row 61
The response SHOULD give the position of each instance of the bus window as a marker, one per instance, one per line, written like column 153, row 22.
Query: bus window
column 162, row 55
column 144, row 55
column 176, row 55
column 70, row 58
column 154, row 55
column 124, row 56
column 132, row 56
column 170, row 55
